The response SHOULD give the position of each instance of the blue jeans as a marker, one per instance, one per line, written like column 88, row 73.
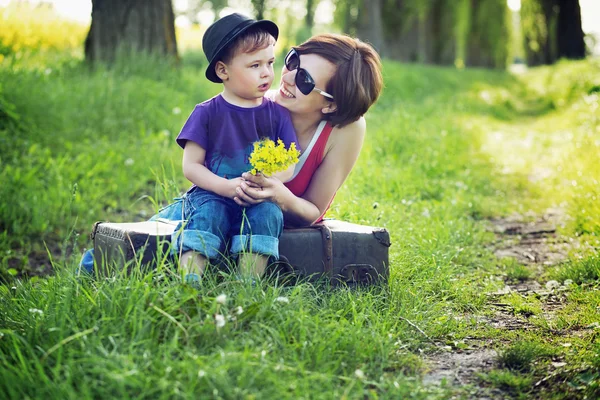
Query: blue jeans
column 210, row 222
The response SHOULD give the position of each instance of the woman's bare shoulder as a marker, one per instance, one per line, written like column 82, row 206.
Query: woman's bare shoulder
column 356, row 128
column 354, row 132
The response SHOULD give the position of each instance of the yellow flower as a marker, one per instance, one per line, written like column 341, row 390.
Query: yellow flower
column 268, row 158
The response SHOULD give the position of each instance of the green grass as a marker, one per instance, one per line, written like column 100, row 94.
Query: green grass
column 521, row 355
column 445, row 150
column 517, row 385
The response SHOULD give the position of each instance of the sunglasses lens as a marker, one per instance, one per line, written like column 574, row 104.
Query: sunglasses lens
column 292, row 61
column 304, row 82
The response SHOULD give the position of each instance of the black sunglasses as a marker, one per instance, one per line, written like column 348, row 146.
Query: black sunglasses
column 304, row 82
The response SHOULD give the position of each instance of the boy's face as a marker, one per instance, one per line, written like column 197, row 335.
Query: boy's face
column 249, row 75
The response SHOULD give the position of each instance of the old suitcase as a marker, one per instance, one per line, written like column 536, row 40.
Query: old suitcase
column 117, row 245
column 343, row 252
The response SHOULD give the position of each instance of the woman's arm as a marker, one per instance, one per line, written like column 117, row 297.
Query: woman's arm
column 343, row 149
column 197, row 173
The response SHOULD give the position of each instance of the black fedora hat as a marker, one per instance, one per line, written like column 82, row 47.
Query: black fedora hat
column 223, row 32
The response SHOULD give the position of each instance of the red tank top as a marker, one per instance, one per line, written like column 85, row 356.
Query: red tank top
column 309, row 161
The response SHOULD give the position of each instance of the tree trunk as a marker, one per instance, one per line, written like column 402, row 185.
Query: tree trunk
column 419, row 32
column 259, row 8
column 130, row 26
column 443, row 33
column 487, row 42
column 564, row 35
column 570, row 34
column 310, row 15
column 370, row 27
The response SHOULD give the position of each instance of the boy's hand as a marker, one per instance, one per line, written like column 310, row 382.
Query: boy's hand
column 231, row 189
column 258, row 188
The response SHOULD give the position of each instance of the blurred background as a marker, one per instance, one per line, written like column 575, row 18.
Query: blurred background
column 477, row 33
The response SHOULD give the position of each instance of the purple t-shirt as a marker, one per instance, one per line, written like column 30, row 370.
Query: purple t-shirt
column 227, row 132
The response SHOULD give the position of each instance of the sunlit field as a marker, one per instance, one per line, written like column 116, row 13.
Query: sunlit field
column 446, row 152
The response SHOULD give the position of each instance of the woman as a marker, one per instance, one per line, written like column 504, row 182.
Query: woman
column 328, row 83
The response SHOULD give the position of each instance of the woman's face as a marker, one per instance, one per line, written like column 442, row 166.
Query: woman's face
column 290, row 97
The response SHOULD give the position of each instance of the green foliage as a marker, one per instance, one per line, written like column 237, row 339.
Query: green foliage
column 490, row 34
column 8, row 114
column 516, row 384
column 586, row 270
column 516, row 271
column 346, row 15
column 521, row 355
column 526, row 306
column 462, row 29
column 534, row 25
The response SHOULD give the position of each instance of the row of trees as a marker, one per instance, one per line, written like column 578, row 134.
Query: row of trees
column 460, row 32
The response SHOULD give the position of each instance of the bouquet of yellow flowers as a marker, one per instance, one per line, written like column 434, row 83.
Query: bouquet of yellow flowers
column 268, row 157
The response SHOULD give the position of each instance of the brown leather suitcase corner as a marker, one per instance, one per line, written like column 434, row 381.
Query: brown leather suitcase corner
column 343, row 252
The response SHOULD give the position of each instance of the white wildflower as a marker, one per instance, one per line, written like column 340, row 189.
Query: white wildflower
column 36, row 311
column 239, row 310
column 201, row 373
column 176, row 110
column 222, row 298
column 219, row 320
column 129, row 162
column 282, row 299
column 359, row 374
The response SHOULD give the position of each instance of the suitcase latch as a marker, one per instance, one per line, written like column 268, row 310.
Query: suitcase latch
column 358, row 273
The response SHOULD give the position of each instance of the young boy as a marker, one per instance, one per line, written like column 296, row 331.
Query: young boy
column 217, row 140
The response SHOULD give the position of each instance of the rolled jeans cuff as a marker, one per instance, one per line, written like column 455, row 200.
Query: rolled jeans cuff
column 205, row 243
column 258, row 244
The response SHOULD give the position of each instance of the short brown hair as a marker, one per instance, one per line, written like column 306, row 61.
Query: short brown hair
column 248, row 42
column 357, row 81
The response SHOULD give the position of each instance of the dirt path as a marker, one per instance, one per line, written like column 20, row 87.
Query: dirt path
column 534, row 243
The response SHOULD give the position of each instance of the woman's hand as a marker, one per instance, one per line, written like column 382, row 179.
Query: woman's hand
column 255, row 189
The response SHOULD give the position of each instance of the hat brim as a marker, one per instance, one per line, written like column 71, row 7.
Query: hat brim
column 267, row 25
